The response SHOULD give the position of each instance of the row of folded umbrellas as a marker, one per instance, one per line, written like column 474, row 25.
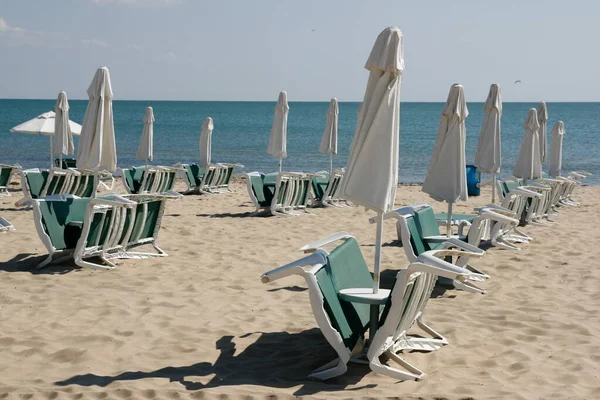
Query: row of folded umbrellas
column 371, row 174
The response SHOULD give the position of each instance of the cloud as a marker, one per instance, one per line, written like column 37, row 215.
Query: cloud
column 20, row 37
column 94, row 43
column 139, row 3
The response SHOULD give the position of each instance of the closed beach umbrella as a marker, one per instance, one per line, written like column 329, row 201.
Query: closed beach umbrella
column 555, row 159
column 145, row 151
column 446, row 178
column 371, row 176
column 329, row 140
column 97, row 149
column 63, row 137
column 45, row 124
column 529, row 162
column 542, row 114
column 278, row 138
column 488, row 156
column 205, row 142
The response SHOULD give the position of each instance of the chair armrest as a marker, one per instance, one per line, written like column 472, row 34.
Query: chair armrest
column 472, row 250
column 498, row 209
column 428, row 262
column 494, row 216
column 527, row 192
column 293, row 268
column 314, row 246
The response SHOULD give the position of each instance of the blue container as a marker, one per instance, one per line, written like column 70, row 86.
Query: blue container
column 473, row 179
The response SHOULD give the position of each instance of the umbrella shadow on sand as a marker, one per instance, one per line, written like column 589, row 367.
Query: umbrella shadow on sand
column 275, row 359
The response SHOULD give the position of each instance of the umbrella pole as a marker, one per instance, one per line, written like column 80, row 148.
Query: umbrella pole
column 374, row 314
column 280, row 162
column 493, row 188
column 330, row 165
column 51, row 155
column 60, row 165
column 449, row 223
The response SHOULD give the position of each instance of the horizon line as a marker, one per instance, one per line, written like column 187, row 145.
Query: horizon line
column 293, row 101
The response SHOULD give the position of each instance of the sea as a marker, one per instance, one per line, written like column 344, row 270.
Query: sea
column 242, row 129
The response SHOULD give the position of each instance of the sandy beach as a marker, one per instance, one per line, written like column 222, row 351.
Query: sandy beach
column 200, row 324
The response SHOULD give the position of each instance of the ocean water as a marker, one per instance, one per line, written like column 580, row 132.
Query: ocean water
column 242, row 132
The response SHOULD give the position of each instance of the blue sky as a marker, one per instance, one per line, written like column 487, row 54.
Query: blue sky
column 314, row 49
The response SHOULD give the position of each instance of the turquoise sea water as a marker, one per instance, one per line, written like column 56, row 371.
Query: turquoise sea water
column 242, row 132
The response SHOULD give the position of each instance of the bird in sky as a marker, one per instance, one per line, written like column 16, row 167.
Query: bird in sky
column 518, row 81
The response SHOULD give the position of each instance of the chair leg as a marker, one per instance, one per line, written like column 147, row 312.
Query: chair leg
column 330, row 370
column 412, row 373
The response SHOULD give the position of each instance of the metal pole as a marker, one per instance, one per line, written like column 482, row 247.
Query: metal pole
column 449, row 223
column 280, row 162
column 378, row 239
column 331, row 165
column 493, row 188
column 51, row 154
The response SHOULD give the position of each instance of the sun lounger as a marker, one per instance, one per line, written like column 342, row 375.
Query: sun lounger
column 213, row 179
column 333, row 277
column 283, row 193
column 107, row 227
column 6, row 173
column 150, row 180
column 37, row 184
column 325, row 189
column 5, row 225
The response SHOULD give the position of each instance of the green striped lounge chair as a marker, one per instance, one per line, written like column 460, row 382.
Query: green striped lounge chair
column 213, row 179
column 37, row 184
column 283, row 193
column 330, row 275
column 418, row 232
column 5, row 225
column 6, row 172
column 150, row 180
column 325, row 189
column 107, row 227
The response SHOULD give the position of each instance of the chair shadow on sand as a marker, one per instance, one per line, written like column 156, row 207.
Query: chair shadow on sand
column 27, row 262
column 275, row 359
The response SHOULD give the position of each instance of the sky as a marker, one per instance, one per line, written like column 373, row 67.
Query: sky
column 313, row 49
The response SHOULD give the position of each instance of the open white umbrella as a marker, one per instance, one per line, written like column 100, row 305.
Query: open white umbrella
column 371, row 176
column 555, row 159
column 63, row 137
column 488, row 157
column 278, row 138
column 446, row 178
column 205, row 142
column 45, row 124
column 529, row 162
column 145, row 151
column 329, row 140
column 97, row 149
column 542, row 114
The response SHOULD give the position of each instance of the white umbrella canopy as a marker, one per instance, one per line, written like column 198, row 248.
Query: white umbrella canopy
column 205, row 142
column 529, row 162
column 371, row 176
column 330, row 134
column 446, row 178
column 45, row 124
column 97, row 149
column 278, row 139
column 145, row 151
column 555, row 159
column 542, row 115
column 488, row 156
column 63, row 137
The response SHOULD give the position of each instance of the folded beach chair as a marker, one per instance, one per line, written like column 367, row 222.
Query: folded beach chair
column 106, row 227
column 6, row 173
column 325, row 189
column 66, row 163
column 5, row 225
column 37, row 184
column 331, row 277
column 418, row 232
column 150, row 180
column 283, row 193
column 213, row 179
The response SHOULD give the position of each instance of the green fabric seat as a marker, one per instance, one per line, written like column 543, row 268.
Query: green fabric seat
column 263, row 187
column 346, row 268
column 36, row 180
column 57, row 215
column 5, row 175
column 194, row 174
column 133, row 177
column 319, row 185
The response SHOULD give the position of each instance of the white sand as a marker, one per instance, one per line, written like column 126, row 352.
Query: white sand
column 200, row 324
